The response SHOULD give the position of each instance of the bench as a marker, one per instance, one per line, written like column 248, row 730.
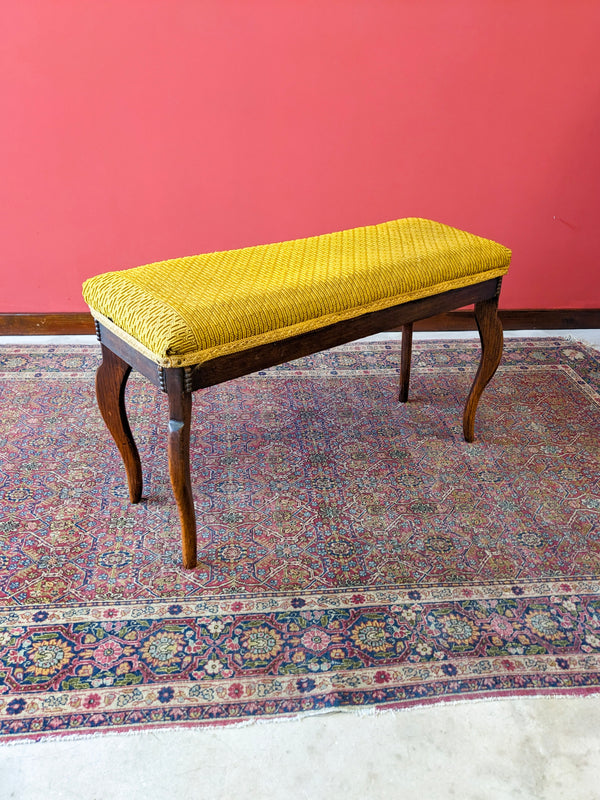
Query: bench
column 189, row 323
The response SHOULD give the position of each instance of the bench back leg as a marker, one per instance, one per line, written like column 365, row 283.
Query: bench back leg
column 492, row 340
column 180, row 414
column 407, row 332
column 111, row 379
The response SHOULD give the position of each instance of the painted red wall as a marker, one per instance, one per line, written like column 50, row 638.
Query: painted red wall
column 137, row 130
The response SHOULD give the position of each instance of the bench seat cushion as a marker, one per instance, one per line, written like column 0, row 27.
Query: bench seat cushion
column 187, row 310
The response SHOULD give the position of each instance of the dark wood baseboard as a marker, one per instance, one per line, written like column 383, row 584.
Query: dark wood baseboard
column 71, row 323
column 517, row 320
column 51, row 324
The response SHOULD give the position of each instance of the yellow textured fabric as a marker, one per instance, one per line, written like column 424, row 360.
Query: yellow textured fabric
column 188, row 310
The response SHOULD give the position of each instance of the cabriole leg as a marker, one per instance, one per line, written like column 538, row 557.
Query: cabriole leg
column 180, row 414
column 490, row 333
column 111, row 379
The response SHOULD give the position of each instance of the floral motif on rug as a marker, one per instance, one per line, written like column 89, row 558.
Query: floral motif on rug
column 352, row 551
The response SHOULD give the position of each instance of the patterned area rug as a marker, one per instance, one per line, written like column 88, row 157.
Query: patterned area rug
column 353, row 551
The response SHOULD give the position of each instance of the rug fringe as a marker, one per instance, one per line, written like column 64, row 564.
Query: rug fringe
column 359, row 712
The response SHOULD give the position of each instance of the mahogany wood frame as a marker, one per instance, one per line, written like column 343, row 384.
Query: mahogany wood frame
column 119, row 358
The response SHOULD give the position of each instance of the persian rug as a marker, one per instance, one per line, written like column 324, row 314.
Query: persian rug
column 353, row 551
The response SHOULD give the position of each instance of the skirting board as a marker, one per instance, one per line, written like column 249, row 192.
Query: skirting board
column 70, row 323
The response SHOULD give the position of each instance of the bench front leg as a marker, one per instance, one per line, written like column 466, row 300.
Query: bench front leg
column 492, row 340
column 180, row 415
column 111, row 379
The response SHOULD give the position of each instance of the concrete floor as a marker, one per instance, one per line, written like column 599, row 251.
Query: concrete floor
column 536, row 748
column 491, row 750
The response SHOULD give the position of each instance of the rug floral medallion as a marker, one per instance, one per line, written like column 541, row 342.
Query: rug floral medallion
column 353, row 551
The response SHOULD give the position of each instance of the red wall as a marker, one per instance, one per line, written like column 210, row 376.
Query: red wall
column 137, row 130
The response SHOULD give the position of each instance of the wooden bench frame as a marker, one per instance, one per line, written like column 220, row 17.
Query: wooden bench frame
column 119, row 358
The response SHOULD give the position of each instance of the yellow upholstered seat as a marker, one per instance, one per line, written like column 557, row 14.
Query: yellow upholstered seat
column 187, row 310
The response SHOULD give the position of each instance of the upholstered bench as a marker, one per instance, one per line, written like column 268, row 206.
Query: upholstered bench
column 193, row 322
